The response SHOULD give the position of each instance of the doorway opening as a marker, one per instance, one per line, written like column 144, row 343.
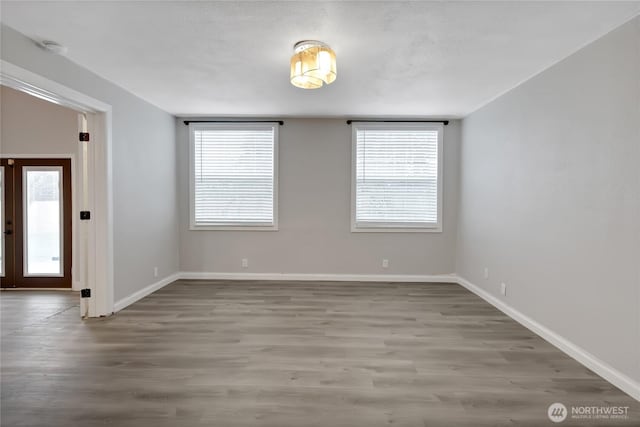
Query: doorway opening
column 90, row 189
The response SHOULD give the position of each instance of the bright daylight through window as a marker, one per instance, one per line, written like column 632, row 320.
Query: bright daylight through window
column 396, row 182
column 234, row 176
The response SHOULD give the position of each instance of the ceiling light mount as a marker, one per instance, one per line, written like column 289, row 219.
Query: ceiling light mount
column 306, row 44
column 313, row 64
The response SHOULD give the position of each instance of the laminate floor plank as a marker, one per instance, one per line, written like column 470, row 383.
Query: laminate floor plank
column 221, row 353
column 22, row 308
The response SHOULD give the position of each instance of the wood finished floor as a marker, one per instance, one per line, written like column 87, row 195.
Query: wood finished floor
column 286, row 354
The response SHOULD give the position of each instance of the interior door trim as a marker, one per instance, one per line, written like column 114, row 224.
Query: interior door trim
column 100, row 264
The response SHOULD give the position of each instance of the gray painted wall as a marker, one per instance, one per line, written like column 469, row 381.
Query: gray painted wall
column 314, row 214
column 144, row 167
column 550, row 191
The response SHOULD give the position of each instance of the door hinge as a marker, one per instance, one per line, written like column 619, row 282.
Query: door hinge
column 85, row 215
column 85, row 293
column 84, row 136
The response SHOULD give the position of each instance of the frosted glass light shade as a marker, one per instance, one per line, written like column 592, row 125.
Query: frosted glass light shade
column 313, row 64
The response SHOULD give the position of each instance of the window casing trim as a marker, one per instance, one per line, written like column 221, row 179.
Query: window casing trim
column 231, row 226
column 400, row 227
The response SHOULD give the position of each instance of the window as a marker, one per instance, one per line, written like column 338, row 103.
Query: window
column 396, row 177
column 234, row 174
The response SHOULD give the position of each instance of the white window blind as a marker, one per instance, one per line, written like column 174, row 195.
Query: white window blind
column 397, row 176
column 234, row 175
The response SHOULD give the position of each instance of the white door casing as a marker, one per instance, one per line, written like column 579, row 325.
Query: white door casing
column 93, row 266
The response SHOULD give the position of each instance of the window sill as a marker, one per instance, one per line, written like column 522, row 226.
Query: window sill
column 233, row 228
column 400, row 229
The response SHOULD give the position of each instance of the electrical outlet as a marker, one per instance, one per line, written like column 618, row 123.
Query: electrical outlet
column 385, row 263
column 245, row 263
column 155, row 271
column 486, row 272
column 503, row 289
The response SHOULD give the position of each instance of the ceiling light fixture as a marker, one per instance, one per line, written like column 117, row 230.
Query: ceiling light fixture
column 313, row 64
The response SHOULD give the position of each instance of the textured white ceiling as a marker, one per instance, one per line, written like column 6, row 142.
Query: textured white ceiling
column 395, row 58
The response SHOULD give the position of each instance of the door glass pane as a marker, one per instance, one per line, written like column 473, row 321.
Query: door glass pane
column 2, row 219
column 43, row 225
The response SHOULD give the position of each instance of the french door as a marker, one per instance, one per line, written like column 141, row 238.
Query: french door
column 36, row 223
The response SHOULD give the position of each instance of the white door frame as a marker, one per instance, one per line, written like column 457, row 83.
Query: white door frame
column 98, row 260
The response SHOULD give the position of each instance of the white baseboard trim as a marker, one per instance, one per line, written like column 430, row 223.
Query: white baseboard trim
column 127, row 301
column 442, row 278
column 615, row 377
